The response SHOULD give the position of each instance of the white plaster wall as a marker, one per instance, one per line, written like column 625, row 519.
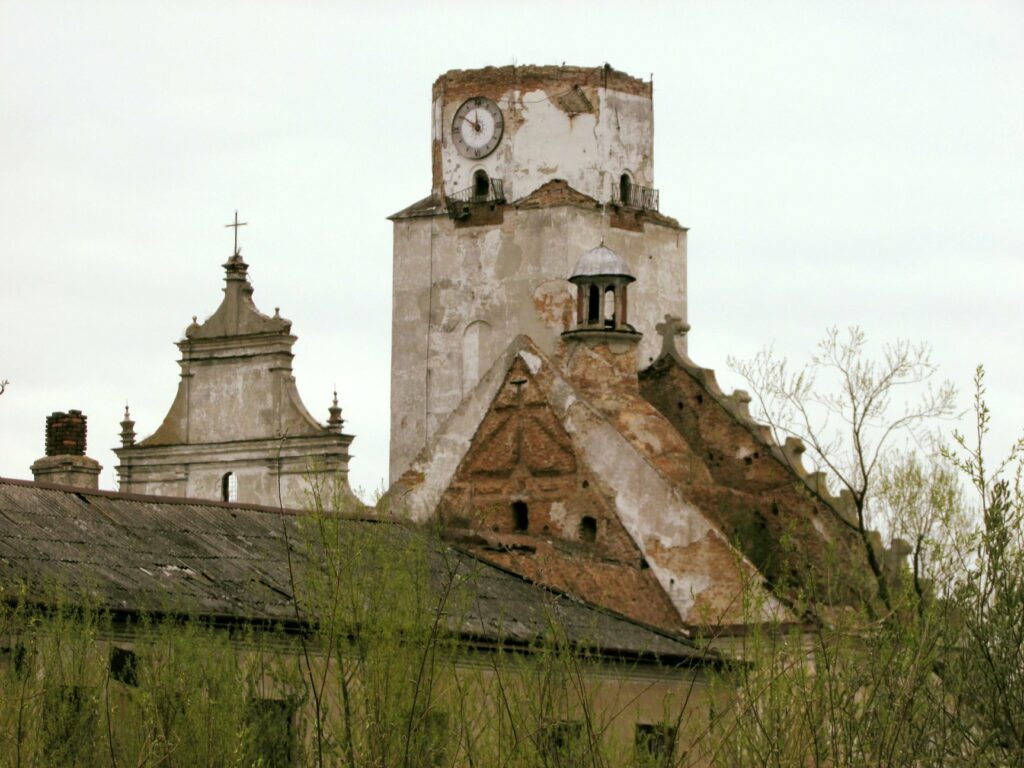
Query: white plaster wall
column 542, row 142
column 512, row 275
column 197, row 471
column 228, row 402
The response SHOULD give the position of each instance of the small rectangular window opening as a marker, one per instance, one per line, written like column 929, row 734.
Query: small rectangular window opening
column 69, row 724
column 124, row 666
column 229, row 487
column 655, row 744
column 561, row 742
column 272, row 732
column 520, row 517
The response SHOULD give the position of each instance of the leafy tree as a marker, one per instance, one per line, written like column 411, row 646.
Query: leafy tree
column 988, row 655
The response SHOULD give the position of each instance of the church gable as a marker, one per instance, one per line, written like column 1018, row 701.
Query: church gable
column 521, row 484
column 548, row 486
column 237, row 429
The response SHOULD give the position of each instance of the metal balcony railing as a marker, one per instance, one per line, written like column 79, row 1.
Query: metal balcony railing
column 460, row 203
column 635, row 196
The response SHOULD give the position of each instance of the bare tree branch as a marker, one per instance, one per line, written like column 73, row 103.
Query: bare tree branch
column 841, row 405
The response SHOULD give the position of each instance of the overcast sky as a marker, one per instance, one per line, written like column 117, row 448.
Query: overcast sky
column 837, row 163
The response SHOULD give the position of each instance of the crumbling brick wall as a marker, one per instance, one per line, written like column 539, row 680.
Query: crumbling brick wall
column 794, row 536
column 522, row 460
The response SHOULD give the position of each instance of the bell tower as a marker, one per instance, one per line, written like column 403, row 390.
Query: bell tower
column 532, row 165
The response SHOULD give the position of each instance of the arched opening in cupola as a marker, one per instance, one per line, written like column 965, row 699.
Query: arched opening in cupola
column 588, row 529
column 609, row 307
column 594, row 305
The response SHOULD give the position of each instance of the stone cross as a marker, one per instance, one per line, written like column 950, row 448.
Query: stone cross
column 672, row 326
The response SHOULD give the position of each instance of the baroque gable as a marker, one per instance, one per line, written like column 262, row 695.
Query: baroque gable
column 237, row 429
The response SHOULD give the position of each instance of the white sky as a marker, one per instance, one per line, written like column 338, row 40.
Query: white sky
column 837, row 163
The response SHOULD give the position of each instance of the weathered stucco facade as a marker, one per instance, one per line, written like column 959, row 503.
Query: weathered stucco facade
column 553, row 424
column 653, row 494
column 586, row 125
column 237, row 430
column 471, row 272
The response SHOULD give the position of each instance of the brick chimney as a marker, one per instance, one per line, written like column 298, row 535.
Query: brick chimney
column 65, row 462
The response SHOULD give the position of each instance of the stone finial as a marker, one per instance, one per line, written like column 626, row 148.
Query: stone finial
column 672, row 326
column 127, row 429
column 236, row 270
column 334, row 421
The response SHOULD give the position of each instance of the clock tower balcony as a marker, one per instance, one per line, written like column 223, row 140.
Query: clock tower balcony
column 490, row 193
column 629, row 195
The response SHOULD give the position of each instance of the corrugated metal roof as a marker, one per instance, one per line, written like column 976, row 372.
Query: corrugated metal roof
column 152, row 554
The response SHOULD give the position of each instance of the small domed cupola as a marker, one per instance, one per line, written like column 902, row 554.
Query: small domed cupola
column 601, row 278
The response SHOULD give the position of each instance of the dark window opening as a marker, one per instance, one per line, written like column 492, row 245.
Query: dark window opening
column 594, row 306
column 18, row 655
column 229, row 487
column 124, row 666
column 520, row 516
column 655, row 744
column 560, row 742
column 625, row 185
column 434, row 736
column 272, row 735
column 481, row 184
column 68, row 729
column 588, row 529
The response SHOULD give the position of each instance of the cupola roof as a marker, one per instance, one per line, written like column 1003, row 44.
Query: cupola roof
column 601, row 261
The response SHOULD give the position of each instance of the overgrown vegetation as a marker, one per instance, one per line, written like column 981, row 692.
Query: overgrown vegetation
column 382, row 664
column 938, row 679
column 386, row 663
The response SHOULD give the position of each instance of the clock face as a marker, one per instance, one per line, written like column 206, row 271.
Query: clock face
column 477, row 127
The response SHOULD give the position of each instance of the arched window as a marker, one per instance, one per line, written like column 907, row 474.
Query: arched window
column 520, row 516
column 625, row 189
column 588, row 528
column 229, row 487
column 609, row 307
column 481, row 184
column 594, row 306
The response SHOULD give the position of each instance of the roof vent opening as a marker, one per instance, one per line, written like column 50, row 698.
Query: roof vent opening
column 588, row 529
column 520, row 517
